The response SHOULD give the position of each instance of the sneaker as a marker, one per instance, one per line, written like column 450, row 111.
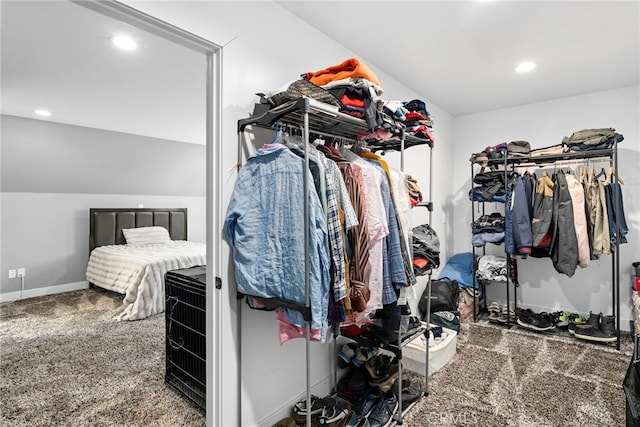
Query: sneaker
column 382, row 414
column 590, row 333
column 561, row 318
column 534, row 321
column 317, row 405
column 366, row 404
column 348, row 352
column 575, row 319
column 410, row 394
column 336, row 414
column 363, row 355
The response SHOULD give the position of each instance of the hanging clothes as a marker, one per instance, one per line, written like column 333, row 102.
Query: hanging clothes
column 262, row 226
column 598, row 217
column 357, row 235
column 404, row 242
column 518, row 234
column 564, row 243
column 579, row 220
column 378, row 229
column 615, row 211
column 542, row 212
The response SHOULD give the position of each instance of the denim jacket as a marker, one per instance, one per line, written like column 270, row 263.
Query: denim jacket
column 264, row 226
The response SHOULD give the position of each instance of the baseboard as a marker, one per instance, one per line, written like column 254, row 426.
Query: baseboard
column 47, row 290
column 320, row 388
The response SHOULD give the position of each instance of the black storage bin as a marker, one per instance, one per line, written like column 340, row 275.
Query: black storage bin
column 185, row 321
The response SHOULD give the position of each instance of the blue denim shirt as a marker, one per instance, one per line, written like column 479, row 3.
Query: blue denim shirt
column 264, row 226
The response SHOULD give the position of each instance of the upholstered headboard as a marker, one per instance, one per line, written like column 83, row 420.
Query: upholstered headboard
column 106, row 224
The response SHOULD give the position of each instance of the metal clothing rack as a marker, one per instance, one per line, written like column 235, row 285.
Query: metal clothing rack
column 511, row 162
column 322, row 119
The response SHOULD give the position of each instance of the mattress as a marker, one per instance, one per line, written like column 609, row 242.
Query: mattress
column 138, row 272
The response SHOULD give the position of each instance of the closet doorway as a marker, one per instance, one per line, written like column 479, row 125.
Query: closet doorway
column 42, row 69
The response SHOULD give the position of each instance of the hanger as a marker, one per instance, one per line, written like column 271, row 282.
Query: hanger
column 612, row 173
column 592, row 175
column 583, row 174
column 360, row 146
column 600, row 174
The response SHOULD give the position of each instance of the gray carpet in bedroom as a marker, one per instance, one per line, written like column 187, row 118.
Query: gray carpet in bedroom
column 63, row 361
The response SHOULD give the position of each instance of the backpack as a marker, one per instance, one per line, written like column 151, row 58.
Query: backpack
column 444, row 296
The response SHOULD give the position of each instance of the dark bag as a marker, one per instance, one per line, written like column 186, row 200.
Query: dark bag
column 444, row 296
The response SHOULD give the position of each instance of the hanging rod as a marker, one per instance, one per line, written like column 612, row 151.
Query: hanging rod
column 562, row 163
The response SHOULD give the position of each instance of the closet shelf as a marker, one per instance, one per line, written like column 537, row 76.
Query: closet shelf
column 512, row 161
column 371, row 338
column 325, row 119
column 550, row 158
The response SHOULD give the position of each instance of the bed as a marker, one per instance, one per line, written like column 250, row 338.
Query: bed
column 133, row 262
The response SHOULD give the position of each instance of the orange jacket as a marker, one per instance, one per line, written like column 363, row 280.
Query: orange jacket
column 349, row 68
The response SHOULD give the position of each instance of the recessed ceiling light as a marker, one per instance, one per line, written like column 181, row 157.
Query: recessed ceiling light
column 525, row 67
column 124, row 42
column 43, row 113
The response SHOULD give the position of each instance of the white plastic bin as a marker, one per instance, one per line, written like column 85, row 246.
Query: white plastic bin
column 413, row 354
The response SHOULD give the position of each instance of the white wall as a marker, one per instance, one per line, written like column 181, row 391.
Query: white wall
column 52, row 173
column 544, row 124
column 265, row 47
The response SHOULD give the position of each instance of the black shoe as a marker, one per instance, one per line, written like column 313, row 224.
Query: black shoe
column 353, row 384
column 534, row 321
column 411, row 394
column 588, row 332
column 336, row 413
column 317, row 406
column 608, row 325
column 380, row 366
column 366, row 404
column 382, row 413
column 594, row 320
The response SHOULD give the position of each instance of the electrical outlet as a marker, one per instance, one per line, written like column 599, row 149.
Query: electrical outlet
column 22, row 272
column 12, row 274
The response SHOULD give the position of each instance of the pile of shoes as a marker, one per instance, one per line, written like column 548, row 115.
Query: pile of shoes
column 370, row 385
column 597, row 327
column 489, row 153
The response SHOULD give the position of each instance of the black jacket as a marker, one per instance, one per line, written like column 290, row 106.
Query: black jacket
column 564, row 243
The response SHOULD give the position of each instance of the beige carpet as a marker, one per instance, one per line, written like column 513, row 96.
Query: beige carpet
column 64, row 362
column 510, row 377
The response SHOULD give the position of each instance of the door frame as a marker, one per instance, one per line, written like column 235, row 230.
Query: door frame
column 213, row 57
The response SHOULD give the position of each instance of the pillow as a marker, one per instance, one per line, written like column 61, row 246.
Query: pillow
column 146, row 235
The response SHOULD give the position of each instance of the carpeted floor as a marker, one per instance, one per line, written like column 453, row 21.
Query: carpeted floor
column 64, row 362
column 510, row 377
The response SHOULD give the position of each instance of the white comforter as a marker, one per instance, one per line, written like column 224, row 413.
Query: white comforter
column 138, row 272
